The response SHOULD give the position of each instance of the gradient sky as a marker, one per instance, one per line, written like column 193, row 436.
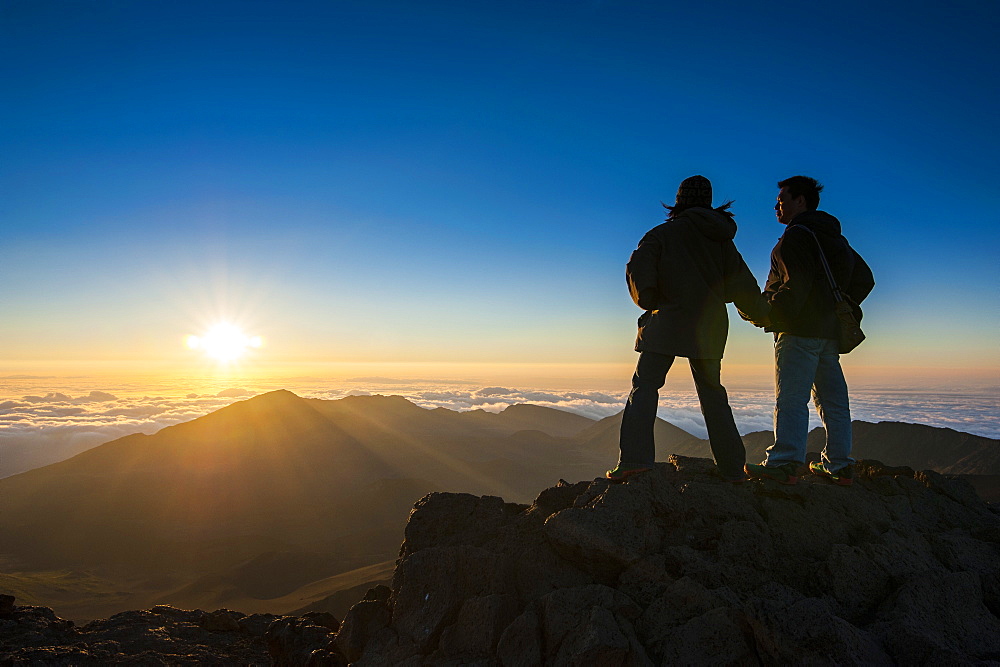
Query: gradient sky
column 388, row 182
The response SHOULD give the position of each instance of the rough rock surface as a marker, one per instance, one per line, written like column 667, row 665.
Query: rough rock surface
column 162, row 635
column 673, row 567
column 678, row 567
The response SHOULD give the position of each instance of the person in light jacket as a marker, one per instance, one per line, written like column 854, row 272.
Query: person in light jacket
column 805, row 326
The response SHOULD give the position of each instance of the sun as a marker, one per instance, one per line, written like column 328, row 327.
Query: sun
column 224, row 343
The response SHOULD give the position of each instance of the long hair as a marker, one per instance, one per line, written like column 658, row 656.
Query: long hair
column 674, row 211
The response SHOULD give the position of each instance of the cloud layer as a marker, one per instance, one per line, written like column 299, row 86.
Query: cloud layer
column 45, row 427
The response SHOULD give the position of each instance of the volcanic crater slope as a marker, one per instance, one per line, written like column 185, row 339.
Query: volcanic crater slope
column 678, row 567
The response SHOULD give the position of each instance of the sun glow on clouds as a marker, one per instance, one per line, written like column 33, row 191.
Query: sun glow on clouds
column 225, row 343
column 47, row 419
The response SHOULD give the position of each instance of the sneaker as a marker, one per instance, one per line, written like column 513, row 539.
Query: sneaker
column 625, row 470
column 842, row 477
column 786, row 473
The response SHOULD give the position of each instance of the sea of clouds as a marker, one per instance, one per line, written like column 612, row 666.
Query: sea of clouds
column 45, row 427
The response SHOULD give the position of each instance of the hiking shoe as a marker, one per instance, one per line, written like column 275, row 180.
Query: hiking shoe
column 842, row 477
column 625, row 470
column 786, row 473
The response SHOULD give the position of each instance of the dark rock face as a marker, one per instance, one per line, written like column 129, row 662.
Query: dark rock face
column 293, row 642
column 678, row 567
column 673, row 567
column 162, row 635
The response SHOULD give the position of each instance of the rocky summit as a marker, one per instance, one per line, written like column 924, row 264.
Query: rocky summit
column 674, row 566
column 679, row 567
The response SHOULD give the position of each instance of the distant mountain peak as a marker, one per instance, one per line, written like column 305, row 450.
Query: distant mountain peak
column 378, row 398
column 276, row 395
column 522, row 407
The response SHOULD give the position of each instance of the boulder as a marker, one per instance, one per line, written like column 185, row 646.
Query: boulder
column 293, row 642
column 676, row 566
column 6, row 606
column 939, row 618
column 222, row 620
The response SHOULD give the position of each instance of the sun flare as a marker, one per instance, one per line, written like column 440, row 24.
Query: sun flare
column 224, row 343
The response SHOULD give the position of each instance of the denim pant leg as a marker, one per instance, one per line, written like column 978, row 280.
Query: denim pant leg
column 636, row 440
column 796, row 359
column 727, row 446
column 833, row 405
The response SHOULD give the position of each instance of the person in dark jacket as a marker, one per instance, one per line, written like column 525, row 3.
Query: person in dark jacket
column 682, row 275
column 805, row 327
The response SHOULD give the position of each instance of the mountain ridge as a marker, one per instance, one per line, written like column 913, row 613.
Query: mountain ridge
column 154, row 515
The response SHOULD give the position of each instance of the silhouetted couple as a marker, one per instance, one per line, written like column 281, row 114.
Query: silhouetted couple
column 683, row 274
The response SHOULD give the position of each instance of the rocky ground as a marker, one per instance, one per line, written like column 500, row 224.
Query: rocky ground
column 159, row 636
column 673, row 567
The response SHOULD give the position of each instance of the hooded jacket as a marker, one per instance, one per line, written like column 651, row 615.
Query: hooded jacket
column 682, row 274
column 801, row 299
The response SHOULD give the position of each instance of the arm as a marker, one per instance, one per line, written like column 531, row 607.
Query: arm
column 641, row 274
column 741, row 288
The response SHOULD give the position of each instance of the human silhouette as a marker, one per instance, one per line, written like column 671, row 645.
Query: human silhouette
column 682, row 275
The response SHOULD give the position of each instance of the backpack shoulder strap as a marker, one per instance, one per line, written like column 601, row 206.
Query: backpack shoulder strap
column 822, row 258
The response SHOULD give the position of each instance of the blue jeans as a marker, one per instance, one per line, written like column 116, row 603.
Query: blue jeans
column 636, row 441
column 802, row 365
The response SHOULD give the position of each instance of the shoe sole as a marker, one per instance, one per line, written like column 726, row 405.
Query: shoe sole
column 791, row 480
column 839, row 481
column 626, row 475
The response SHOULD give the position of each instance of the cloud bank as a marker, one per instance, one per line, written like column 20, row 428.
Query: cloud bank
column 42, row 428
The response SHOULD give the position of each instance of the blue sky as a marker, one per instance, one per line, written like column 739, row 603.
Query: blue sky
column 455, row 181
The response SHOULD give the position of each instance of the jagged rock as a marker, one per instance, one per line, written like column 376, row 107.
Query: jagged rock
column 957, row 489
column 587, row 625
column 431, row 585
column 161, row 635
column 324, row 618
column 6, row 605
column 854, row 580
column 682, row 601
column 615, row 528
column 939, row 619
column 717, row 637
column 380, row 593
column 362, row 623
column 222, row 620
column 256, row 625
column 444, row 519
column 871, row 469
column 478, row 627
column 559, row 497
column 677, row 566
column 807, row 631
column 292, row 642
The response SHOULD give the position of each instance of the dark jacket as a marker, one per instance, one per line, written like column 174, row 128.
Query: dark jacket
column 801, row 299
column 682, row 274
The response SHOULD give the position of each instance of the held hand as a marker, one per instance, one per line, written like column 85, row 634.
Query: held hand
column 763, row 321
